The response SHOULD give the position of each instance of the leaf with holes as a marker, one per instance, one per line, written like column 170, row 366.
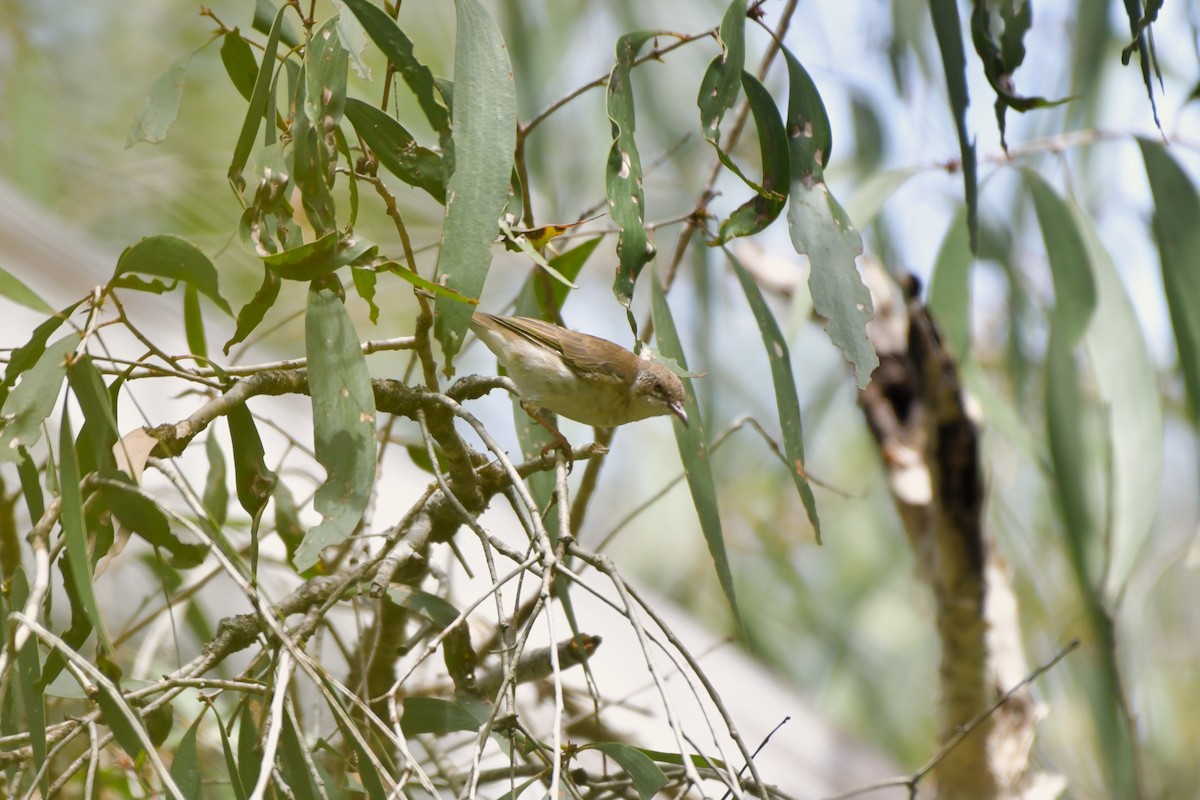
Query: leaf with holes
column 821, row 230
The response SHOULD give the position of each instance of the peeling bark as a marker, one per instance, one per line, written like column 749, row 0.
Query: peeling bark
column 921, row 418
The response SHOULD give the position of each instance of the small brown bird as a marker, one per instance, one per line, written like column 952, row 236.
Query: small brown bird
column 584, row 378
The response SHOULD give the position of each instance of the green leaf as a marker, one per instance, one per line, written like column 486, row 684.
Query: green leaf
column 115, row 713
column 12, row 288
column 1075, row 300
column 1144, row 45
column 316, row 259
column 436, row 716
column 95, row 449
column 1001, row 57
column 161, row 106
column 808, row 125
column 343, row 407
column 569, row 264
column 821, row 230
column 34, row 398
column 253, row 312
column 314, row 140
column 264, row 19
column 947, row 25
column 75, row 635
column 364, row 280
column 950, row 288
column 176, row 259
column 309, row 162
column 293, row 762
column 31, row 487
column 437, row 610
column 785, row 390
column 398, row 50
column 543, row 297
column 485, row 135
column 28, row 354
column 231, row 764
column 326, row 64
column 257, row 107
column 253, row 479
column 79, row 560
column 193, row 322
column 249, row 747
column 185, row 766
column 693, row 449
column 647, row 778
column 287, row 518
column 216, row 490
column 1129, row 391
column 343, row 147
column 1176, row 211
column 268, row 225
column 1068, row 454
column 397, row 150
column 623, row 175
column 28, row 674
column 761, row 210
column 677, row 759
column 722, row 80
column 354, row 39
column 159, row 723
column 239, row 62
column 365, row 758
column 436, row 289
column 142, row 516
column 522, row 244
column 1074, row 288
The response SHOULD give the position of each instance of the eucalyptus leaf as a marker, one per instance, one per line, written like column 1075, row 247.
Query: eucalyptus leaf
column 1176, row 210
column 786, row 400
column 174, row 258
column 761, row 210
column 693, row 450
column 821, row 230
column 436, row 716
column 647, row 778
column 947, row 25
column 12, row 288
column 34, row 398
column 398, row 49
column 258, row 105
column 397, row 150
column 161, row 106
column 623, row 175
column 343, row 405
column 484, row 125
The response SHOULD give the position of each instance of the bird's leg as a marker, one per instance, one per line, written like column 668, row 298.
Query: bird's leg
column 544, row 418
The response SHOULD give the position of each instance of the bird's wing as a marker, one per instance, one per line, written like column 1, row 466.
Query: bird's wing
column 594, row 356
column 535, row 330
column 589, row 355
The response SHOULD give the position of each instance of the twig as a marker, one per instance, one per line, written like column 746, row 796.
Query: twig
column 654, row 55
column 911, row 781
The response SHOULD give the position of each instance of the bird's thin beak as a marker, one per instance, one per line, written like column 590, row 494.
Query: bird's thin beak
column 677, row 410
